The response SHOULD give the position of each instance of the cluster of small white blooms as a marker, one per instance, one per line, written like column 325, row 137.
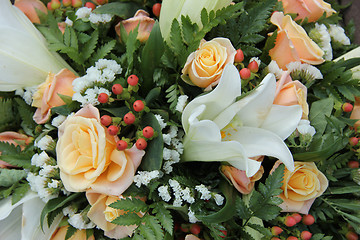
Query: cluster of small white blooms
column 145, row 177
column 48, row 170
column 324, row 41
column 337, row 33
column 177, row 190
column 304, row 128
column 161, row 121
column 170, row 135
column 256, row 59
column 26, row 93
column 186, row 195
column 164, row 193
column 355, row 174
column 39, row 184
column 171, row 154
column 273, row 67
column 181, row 103
column 205, row 193
column 307, row 69
column 83, row 12
column 90, row 96
column 54, row 183
column 80, row 221
column 45, row 143
column 68, row 22
column 192, row 218
column 69, row 210
column 100, row 18
column 57, row 121
column 39, row 159
column 219, row 200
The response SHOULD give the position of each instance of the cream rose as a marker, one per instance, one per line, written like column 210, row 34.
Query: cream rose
column 301, row 187
column 289, row 92
column 311, row 9
column 88, row 158
column 102, row 215
column 47, row 96
column 205, row 66
column 60, row 234
column 292, row 43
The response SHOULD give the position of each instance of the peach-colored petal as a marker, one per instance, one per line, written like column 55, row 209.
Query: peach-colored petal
column 29, row 7
column 60, row 234
column 355, row 114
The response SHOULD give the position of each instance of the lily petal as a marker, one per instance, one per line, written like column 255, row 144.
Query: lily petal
column 10, row 228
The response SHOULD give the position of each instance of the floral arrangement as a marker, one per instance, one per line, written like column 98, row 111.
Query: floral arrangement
column 178, row 119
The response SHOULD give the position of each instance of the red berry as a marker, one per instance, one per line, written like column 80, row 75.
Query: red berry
column 121, row 145
column 290, row 221
column 129, row 118
column 297, row 217
column 224, row 233
column 100, row 2
column 55, row 4
column 105, row 120
column 253, row 66
column 103, row 98
column 275, row 230
column 48, row 5
column 308, row 219
column 347, row 107
column 113, row 130
column 117, row 89
column 66, row 3
column 76, row 3
column 239, row 56
column 245, row 73
column 133, row 80
column 141, row 144
column 275, row 238
column 292, row 238
column 156, row 9
column 353, row 164
column 195, row 229
column 148, row 132
column 352, row 236
column 306, row 235
column 353, row 141
column 90, row 5
column 138, row 105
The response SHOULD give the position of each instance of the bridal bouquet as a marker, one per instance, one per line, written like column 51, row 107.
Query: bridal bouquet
column 178, row 119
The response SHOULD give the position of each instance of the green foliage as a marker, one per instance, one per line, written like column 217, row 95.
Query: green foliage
column 10, row 118
column 9, row 177
column 123, row 10
column 172, row 96
column 70, row 232
column 19, row 192
column 128, row 204
column 26, row 113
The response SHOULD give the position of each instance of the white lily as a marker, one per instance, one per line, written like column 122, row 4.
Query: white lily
column 219, row 128
column 22, row 220
column 24, row 57
column 174, row 9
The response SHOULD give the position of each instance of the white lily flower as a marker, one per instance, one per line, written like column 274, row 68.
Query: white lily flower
column 24, row 57
column 219, row 128
column 174, row 9
column 22, row 220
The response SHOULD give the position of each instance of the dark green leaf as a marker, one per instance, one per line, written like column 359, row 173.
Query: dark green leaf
column 127, row 219
column 164, row 216
column 318, row 111
column 123, row 10
column 9, row 177
column 19, row 192
column 70, row 232
column 128, row 204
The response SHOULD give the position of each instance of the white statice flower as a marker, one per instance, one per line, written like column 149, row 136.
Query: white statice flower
column 40, row 159
column 48, row 170
column 167, row 167
column 57, row 121
column 111, row 65
column 90, row 96
column 28, row 94
column 192, row 218
column 205, row 193
column 45, row 143
column 164, row 193
column 219, row 200
column 186, row 195
column 167, row 139
column 167, row 154
column 69, row 210
column 308, row 70
column 145, row 177
column 69, row 22
column 39, row 184
column 54, row 184
column 304, row 128
column 81, row 83
column 177, row 190
column 273, row 67
column 322, row 37
column 83, row 12
column 160, row 121
column 80, row 221
column 181, row 103
column 256, row 59
column 337, row 33
column 100, row 18
column 19, row 92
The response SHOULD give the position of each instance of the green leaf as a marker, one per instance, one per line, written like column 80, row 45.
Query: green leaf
column 164, row 216
column 117, row 112
column 9, row 177
column 131, row 46
column 19, row 192
column 176, row 42
column 242, row 210
column 227, row 212
column 26, row 113
column 147, row 232
column 127, row 219
column 8, row 148
column 128, row 204
column 123, row 10
column 154, row 153
column 22, row 160
column 9, row 113
column 318, row 111
column 152, row 95
column 151, row 56
column 90, row 45
column 70, row 232
column 189, row 29
column 261, row 229
column 103, row 51
column 343, row 190
column 153, row 223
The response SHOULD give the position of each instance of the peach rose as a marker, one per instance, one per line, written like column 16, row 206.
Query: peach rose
column 292, row 43
column 205, row 66
column 191, row 237
column 140, row 18
column 355, row 114
column 29, row 7
column 47, row 96
column 238, row 178
column 289, row 92
column 13, row 138
column 301, row 187
column 102, row 215
column 88, row 158
column 60, row 234
column 312, row 9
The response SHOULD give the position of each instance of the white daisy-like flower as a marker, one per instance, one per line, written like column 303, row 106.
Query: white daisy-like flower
column 80, row 222
column 337, row 33
column 39, row 159
column 164, row 193
column 69, row 22
column 57, row 121
column 45, row 143
column 324, row 41
column 273, row 67
column 304, row 128
column 100, row 18
column 83, row 12
column 181, row 103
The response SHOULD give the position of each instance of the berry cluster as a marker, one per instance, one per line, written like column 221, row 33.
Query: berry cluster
column 246, row 73
column 55, row 4
column 290, row 221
